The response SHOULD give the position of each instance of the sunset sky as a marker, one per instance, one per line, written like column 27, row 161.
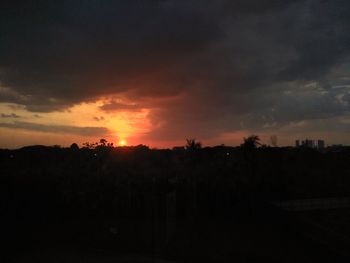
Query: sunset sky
column 158, row 72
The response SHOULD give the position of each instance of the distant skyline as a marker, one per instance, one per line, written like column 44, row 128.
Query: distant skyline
column 158, row 72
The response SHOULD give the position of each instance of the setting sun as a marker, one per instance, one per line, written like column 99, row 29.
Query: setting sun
column 122, row 142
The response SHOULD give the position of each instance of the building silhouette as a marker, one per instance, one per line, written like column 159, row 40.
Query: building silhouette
column 315, row 144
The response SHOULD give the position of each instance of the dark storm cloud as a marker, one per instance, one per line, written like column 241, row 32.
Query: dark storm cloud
column 84, row 49
column 230, row 65
column 82, row 131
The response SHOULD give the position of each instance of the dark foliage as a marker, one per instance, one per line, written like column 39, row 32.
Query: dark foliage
column 125, row 195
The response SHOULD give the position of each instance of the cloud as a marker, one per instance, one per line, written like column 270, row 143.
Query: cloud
column 82, row 131
column 76, row 52
column 202, row 68
column 11, row 115
column 116, row 106
column 101, row 118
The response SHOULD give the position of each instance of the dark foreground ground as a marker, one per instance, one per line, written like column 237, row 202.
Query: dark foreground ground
column 218, row 204
column 257, row 239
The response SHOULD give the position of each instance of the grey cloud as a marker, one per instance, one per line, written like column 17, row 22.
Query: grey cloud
column 233, row 64
column 76, row 52
column 320, row 125
column 266, row 110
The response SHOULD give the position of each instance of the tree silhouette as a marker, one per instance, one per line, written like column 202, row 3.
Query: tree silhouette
column 103, row 142
column 74, row 147
column 89, row 145
column 251, row 142
column 192, row 145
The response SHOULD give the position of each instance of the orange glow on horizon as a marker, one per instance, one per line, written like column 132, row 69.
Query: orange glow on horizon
column 130, row 126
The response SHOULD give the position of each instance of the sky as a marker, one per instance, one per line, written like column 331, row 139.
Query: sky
column 158, row 72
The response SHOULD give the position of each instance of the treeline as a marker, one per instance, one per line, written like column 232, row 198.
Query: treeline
column 115, row 185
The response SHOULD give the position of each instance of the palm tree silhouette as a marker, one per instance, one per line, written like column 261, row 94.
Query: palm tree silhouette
column 192, row 145
column 251, row 142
